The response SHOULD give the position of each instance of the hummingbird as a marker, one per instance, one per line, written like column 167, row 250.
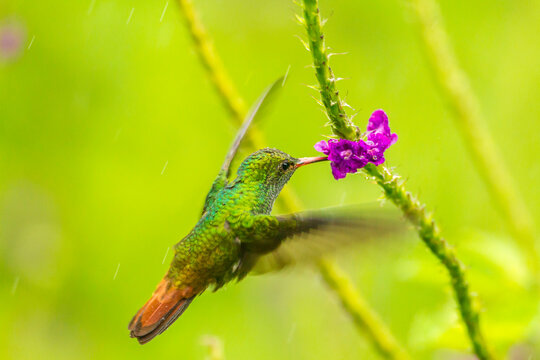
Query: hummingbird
column 236, row 231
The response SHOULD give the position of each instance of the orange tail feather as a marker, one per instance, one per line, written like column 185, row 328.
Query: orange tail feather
column 164, row 307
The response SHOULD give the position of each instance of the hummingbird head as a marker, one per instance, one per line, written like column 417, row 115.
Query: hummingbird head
column 272, row 168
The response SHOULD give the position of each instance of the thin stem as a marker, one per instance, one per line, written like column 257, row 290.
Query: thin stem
column 455, row 87
column 429, row 232
column 212, row 63
column 342, row 125
column 395, row 191
column 364, row 317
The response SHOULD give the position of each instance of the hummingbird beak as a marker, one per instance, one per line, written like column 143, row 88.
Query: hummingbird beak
column 310, row 160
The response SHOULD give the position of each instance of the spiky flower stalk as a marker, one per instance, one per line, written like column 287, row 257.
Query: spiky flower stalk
column 394, row 190
column 342, row 125
column 363, row 316
column 430, row 233
column 456, row 88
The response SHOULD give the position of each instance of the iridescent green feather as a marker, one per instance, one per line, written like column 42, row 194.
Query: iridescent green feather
column 221, row 180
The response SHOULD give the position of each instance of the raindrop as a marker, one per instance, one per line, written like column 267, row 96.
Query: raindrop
column 130, row 15
column 116, row 272
column 163, row 13
column 165, row 257
column 15, row 284
column 164, row 167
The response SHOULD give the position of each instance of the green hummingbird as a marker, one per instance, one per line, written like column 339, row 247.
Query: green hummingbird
column 236, row 231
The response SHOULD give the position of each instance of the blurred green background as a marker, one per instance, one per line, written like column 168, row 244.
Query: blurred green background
column 111, row 134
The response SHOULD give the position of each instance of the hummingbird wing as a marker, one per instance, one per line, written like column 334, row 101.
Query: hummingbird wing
column 255, row 112
column 279, row 241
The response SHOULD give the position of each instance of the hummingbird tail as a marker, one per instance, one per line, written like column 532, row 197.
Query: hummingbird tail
column 167, row 303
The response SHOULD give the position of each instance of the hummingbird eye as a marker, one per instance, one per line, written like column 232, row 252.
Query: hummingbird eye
column 285, row 165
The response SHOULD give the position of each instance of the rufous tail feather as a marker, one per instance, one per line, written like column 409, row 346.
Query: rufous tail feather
column 167, row 303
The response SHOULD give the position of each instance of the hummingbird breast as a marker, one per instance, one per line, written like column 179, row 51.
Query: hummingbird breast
column 211, row 252
column 205, row 255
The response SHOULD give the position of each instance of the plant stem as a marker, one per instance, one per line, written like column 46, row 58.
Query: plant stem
column 429, row 232
column 394, row 190
column 342, row 126
column 212, row 63
column 364, row 318
column 456, row 88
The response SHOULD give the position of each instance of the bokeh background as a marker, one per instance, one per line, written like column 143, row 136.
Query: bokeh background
column 111, row 134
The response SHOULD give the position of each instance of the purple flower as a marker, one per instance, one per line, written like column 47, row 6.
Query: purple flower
column 378, row 137
column 346, row 156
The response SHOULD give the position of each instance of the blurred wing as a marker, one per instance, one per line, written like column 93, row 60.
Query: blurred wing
column 307, row 236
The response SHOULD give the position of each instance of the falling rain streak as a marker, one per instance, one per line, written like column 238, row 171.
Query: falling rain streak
column 130, row 15
column 31, row 42
column 165, row 257
column 116, row 272
column 343, row 197
column 164, row 167
column 291, row 333
column 91, row 7
column 285, row 77
column 164, row 11
column 15, row 285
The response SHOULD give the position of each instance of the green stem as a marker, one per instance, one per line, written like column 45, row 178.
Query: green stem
column 212, row 63
column 429, row 232
column 456, row 88
column 364, row 318
column 342, row 125
column 414, row 211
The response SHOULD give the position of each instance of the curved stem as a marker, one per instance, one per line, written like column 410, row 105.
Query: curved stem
column 363, row 317
column 394, row 190
column 212, row 63
column 455, row 87
column 429, row 232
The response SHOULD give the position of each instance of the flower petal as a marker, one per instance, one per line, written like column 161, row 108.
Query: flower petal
column 338, row 174
column 322, row 146
column 378, row 122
